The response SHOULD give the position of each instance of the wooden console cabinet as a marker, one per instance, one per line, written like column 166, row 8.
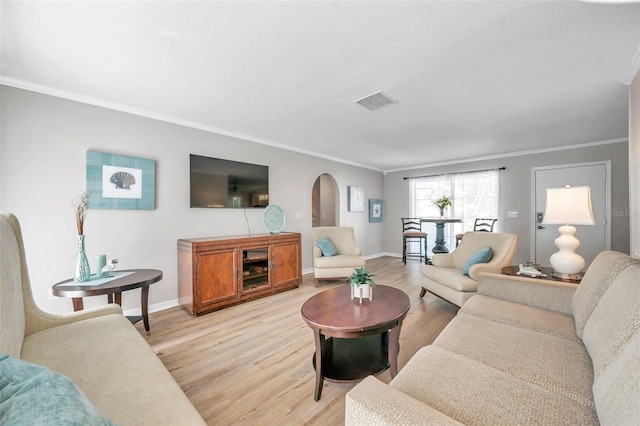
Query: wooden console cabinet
column 214, row 273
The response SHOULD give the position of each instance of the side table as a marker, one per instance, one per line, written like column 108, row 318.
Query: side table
column 130, row 279
column 513, row 270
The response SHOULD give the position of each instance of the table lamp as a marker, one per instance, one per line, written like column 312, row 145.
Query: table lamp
column 568, row 206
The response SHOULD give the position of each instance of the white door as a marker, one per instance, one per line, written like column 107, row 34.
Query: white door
column 593, row 238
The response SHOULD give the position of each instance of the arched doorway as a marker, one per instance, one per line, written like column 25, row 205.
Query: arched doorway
column 324, row 201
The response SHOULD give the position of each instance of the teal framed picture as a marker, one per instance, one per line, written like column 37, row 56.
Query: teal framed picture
column 120, row 182
column 375, row 210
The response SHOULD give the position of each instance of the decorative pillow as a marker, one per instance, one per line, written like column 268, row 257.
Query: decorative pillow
column 481, row 256
column 327, row 247
column 34, row 395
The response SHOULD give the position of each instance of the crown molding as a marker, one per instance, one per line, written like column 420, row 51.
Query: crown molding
column 632, row 70
column 509, row 154
column 46, row 90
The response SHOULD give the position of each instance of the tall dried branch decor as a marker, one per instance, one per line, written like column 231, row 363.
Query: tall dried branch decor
column 81, row 211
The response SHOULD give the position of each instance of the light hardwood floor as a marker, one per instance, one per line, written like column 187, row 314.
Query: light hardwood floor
column 251, row 364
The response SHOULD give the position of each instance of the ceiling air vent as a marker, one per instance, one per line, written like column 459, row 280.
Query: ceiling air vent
column 375, row 101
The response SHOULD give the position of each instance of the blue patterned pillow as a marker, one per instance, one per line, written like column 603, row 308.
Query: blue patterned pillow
column 481, row 256
column 34, row 395
column 327, row 247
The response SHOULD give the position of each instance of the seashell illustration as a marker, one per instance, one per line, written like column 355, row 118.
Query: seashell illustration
column 122, row 180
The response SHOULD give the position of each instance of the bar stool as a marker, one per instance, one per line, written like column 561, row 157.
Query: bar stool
column 480, row 225
column 412, row 232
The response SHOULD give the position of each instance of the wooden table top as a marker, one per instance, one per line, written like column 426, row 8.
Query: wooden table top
column 139, row 278
column 513, row 270
column 334, row 310
column 441, row 219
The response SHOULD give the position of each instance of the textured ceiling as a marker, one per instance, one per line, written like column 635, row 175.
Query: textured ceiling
column 472, row 79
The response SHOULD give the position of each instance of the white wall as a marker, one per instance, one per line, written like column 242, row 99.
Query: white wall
column 515, row 193
column 44, row 143
column 634, row 164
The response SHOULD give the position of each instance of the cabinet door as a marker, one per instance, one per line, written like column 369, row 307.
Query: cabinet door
column 285, row 268
column 217, row 276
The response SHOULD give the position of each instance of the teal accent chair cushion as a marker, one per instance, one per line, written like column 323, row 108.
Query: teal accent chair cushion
column 327, row 247
column 34, row 395
column 481, row 256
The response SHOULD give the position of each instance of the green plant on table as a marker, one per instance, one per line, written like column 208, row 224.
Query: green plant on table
column 361, row 276
column 442, row 203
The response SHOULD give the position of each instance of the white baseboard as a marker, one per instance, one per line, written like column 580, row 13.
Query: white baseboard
column 156, row 307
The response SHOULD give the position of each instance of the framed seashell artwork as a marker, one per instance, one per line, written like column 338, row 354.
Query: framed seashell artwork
column 120, row 182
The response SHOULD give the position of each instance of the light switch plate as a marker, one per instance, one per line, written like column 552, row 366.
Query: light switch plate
column 512, row 214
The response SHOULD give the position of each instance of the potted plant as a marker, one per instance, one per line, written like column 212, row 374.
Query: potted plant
column 442, row 203
column 361, row 283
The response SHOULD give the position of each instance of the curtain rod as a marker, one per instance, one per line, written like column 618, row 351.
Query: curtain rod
column 455, row 173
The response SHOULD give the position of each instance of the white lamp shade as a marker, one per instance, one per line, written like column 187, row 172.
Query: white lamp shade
column 570, row 205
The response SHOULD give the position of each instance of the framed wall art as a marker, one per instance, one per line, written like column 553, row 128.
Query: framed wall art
column 355, row 198
column 120, row 182
column 375, row 210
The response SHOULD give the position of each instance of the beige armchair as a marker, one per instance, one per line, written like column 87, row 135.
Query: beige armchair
column 349, row 254
column 444, row 277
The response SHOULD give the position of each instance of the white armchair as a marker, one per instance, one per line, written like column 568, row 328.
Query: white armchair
column 349, row 254
column 444, row 277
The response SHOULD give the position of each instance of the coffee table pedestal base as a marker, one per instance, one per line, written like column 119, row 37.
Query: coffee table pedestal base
column 351, row 360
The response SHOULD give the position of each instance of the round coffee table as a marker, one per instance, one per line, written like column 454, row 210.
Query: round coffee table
column 354, row 340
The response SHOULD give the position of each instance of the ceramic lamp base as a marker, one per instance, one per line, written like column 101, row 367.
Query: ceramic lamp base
column 566, row 262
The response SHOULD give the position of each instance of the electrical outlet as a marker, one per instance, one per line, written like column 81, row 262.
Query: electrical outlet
column 297, row 216
column 512, row 214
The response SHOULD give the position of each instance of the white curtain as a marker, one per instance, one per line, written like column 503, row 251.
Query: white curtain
column 473, row 195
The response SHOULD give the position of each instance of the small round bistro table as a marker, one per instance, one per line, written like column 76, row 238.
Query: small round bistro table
column 441, row 246
column 354, row 340
column 135, row 278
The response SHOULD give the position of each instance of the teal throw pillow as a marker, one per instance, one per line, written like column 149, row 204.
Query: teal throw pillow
column 34, row 395
column 481, row 256
column 327, row 247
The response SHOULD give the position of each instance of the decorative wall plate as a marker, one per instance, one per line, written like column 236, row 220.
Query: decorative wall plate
column 273, row 217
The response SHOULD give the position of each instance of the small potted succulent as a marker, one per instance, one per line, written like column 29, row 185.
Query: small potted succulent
column 361, row 283
column 442, row 203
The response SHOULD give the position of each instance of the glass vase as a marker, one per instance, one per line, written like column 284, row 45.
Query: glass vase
column 81, row 272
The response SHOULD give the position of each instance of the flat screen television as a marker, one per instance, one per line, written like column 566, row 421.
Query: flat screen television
column 220, row 183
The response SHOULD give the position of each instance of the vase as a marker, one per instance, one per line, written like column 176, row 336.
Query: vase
column 362, row 291
column 81, row 272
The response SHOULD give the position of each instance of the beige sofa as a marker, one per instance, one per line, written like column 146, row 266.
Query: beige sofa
column 444, row 278
column 342, row 265
column 524, row 351
column 98, row 349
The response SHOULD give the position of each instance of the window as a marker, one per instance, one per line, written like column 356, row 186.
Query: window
column 473, row 195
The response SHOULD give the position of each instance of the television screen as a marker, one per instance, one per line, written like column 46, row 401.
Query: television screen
column 220, row 183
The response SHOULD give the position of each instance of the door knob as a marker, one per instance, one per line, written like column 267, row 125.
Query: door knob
column 541, row 227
